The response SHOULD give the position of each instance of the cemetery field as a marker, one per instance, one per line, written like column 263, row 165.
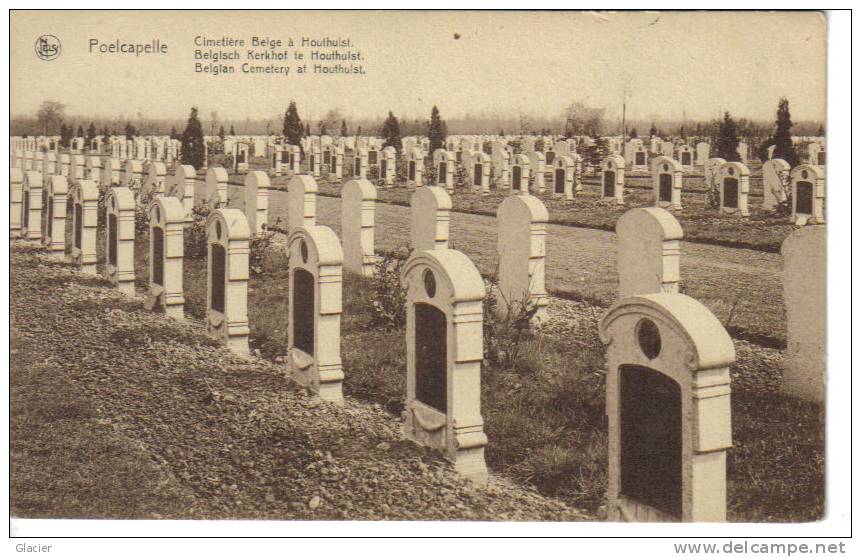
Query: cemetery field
column 740, row 286
column 543, row 395
column 118, row 412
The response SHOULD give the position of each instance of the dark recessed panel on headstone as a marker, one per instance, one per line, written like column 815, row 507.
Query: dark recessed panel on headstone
column 303, row 311
column 25, row 218
column 665, row 187
column 804, row 203
column 218, row 274
column 79, row 224
column 515, row 177
column 440, row 179
column 551, row 156
column 609, row 183
column 686, row 159
column 730, row 193
column 412, row 171
column 372, row 157
column 651, row 439
column 113, row 239
column 50, row 223
column 158, row 256
column 431, row 356
column 476, row 175
column 639, row 158
column 559, row 181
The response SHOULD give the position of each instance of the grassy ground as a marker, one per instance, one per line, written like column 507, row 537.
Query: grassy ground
column 544, row 407
column 118, row 412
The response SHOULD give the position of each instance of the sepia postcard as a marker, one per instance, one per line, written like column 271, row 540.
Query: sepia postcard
column 449, row 269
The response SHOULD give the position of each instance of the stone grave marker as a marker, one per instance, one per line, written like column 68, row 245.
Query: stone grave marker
column 522, row 231
column 228, row 238
column 216, row 187
column 445, row 293
column 358, row 201
column 804, row 295
column 182, row 188
column 444, row 163
column 519, row 174
column 649, row 249
column 667, row 182
column 54, row 236
column 315, row 311
column 415, row 167
column 256, row 194
column 668, row 410
column 301, row 202
column 734, row 188
column 84, row 198
column 16, row 201
column 120, row 239
column 387, row 166
column 536, row 167
column 807, row 183
column 31, row 208
column 775, row 182
column 613, row 179
column 480, row 166
column 430, row 213
column 166, row 249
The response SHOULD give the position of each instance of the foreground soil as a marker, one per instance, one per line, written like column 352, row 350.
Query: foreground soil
column 117, row 412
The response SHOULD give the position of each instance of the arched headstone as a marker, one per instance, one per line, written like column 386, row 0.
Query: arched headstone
column 775, row 181
column 166, row 228
column 563, row 177
column 156, row 173
column 667, row 182
column 444, row 164
column 808, row 194
column 181, row 187
column 55, row 215
column 315, row 310
column 613, row 179
column 256, row 192
column 16, row 200
column 216, row 187
column 668, row 410
column 649, row 246
column 480, row 172
column 358, row 200
column 522, row 230
column 31, row 208
column 734, row 188
column 228, row 239
column 84, row 198
column 301, row 202
column 519, row 172
column 430, row 212
column 120, row 239
column 804, row 295
column 444, row 353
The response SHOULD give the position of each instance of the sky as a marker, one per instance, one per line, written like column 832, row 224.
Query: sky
column 672, row 64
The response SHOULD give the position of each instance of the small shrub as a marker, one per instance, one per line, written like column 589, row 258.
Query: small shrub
column 388, row 308
column 141, row 215
column 195, row 233
column 507, row 332
column 259, row 252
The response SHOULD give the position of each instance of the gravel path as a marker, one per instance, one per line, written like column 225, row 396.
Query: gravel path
column 234, row 436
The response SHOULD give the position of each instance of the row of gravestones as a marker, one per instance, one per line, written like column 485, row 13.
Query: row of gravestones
column 668, row 356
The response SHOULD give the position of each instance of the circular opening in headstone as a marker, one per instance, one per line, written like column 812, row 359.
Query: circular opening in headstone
column 303, row 251
column 217, row 230
column 804, row 174
column 649, row 338
column 609, row 164
column 731, row 171
column 666, row 167
column 430, row 283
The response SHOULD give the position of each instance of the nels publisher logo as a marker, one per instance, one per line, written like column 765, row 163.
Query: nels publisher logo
column 47, row 47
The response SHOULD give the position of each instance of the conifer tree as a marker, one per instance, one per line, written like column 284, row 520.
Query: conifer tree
column 91, row 131
column 232, row 131
column 343, row 128
column 192, row 150
column 634, row 133
column 392, row 132
column 221, row 132
column 307, row 130
column 80, row 131
column 783, row 148
column 436, row 131
column 653, row 131
column 727, row 143
column 292, row 125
